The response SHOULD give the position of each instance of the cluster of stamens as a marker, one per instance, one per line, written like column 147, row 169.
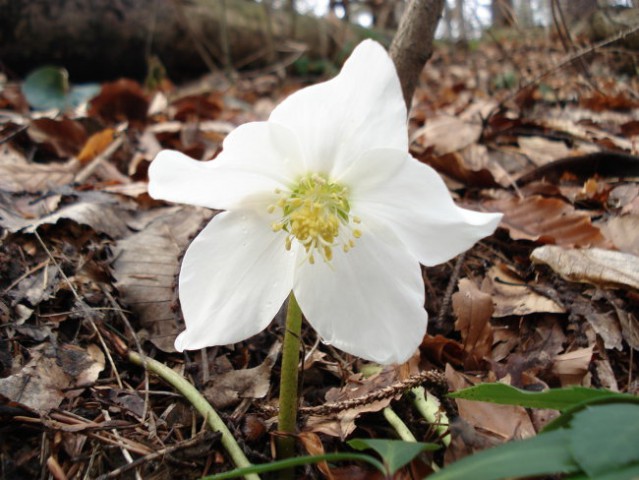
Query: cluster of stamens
column 313, row 212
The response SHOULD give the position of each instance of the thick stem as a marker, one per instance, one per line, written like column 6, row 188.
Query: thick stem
column 287, row 421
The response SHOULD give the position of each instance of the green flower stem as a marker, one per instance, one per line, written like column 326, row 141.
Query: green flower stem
column 201, row 405
column 399, row 425
column 287, row 421
column 428, row 406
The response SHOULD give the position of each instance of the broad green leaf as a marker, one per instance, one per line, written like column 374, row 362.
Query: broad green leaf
column 557, row 399
column 544, row 454
column 605, row 438
column 395, row 453
column 567, row 415
column 48, row 87
column 626, row 473
column 295, row 462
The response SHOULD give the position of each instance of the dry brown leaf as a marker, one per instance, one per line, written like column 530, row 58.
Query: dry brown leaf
column 541, row 151
column 146, row 265
column 64, row 137
column 341, row 424
column 473, row 309
column 571, row 367
column 17, row 175
column 548, row 220
column 313, row 446
column 503, row 422
column 122, row 100
column 594, row 265
column 511, row 296
column 230, row 388
column 447, row 134
column 100, row 212
column 95, row 145
column 44, row 381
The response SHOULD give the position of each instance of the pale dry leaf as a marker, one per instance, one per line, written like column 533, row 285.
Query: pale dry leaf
column 571, row 367
column 45, row 381
column 593, row 265
column 511, row 295
column 146, row 264
column 541, row 151
column 17, row 175
column 623, row 232
column 447, row 134
column 100, row 212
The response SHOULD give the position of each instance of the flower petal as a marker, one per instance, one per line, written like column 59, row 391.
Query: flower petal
column 412, row 199
column 359, row 109
column 257, row 159
column 235, row 276
column 368, row 302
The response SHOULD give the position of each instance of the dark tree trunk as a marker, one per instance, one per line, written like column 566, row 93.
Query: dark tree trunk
column 98, row 40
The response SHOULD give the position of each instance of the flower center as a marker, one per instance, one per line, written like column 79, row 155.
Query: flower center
column 313, row 213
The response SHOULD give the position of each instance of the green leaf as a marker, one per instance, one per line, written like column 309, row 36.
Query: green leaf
column 605, row 438
column 394, row 453
column 557, row 399
column 48, row 87
column 626, row 473
column 567, row 415
column 544, row 454
column 295, row 462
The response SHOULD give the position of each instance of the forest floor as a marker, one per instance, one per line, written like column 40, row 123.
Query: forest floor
column 88, row 264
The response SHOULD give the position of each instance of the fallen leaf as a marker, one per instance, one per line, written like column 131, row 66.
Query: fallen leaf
column 571, row 367
column 63, row 137
column 541, row 150
column 230, row 388
column 473, row 309
column 446, row 134
column 146, row 264
column 95, row 145
column 122, row 100
column 512, row 296
column 45, row 381
column 594, row 265
column 623, row 232
column 547, row 220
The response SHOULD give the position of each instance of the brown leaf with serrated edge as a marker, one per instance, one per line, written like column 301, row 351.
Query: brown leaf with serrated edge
column 473, row 309
column 547, row 220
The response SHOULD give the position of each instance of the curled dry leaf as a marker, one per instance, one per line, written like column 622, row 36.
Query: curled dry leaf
column 63, row 137
column 473, row 309
column 571, row 367
column 146, row 264
column 594, row 265
column 446, row 134
column 511, row 295
column 548, row 220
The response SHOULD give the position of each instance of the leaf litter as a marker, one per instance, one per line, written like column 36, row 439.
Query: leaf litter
column 88, row 263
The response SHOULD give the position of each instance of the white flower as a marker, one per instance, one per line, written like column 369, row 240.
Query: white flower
column 322, row 199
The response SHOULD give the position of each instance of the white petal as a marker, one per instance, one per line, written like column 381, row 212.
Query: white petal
column 368, row 302
column 257, row 159
column 359, row 109
column 412, row 199
column 235, row 276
